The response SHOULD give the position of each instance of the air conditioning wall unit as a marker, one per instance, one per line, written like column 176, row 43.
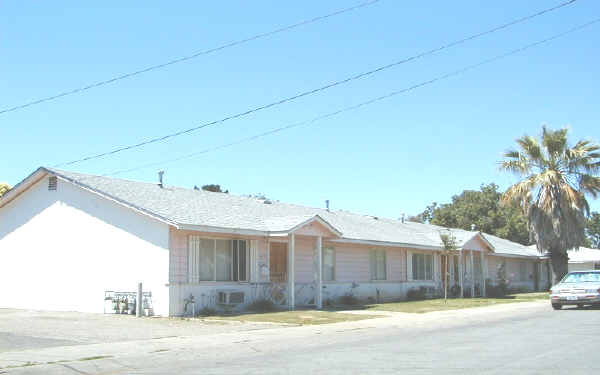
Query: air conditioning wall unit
column 230, row 298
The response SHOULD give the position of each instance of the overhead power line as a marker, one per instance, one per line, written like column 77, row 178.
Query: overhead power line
column 188, row 57
column 359, row 105
column 319, row 89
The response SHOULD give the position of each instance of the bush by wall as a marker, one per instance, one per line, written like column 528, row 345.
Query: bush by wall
column 415, row 294
column 262, row 305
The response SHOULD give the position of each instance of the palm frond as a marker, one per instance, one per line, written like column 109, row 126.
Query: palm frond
column 531, row 147
column 555, row 141
column 589, row 184
column 513, row 154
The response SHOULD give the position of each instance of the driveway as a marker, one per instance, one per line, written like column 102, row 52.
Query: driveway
column 23, row 329
column 523, row 338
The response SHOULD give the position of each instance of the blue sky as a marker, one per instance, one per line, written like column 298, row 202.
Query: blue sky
column 389, row 158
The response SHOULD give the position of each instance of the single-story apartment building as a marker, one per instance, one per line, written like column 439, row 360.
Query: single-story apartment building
column 584, row 258
column 66, row 238
column 581, row 259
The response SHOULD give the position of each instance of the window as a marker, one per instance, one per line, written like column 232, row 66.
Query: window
column 422, row 267
column 522, row 271
column 218, row 260
column 378, row 265
column 206, row 260
column 224, row 260
column 240, row 260
column 328, row 264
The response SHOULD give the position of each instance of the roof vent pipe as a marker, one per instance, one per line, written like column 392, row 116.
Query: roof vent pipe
column 327, row 204
column 160, row 178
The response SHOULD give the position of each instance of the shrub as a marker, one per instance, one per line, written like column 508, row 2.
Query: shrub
column 262, row 305
column 349, row 300
column 455, row 290
column 502, row 279
column 516, row 290
column 467, row 293
column 495, row 290
column 416, row 294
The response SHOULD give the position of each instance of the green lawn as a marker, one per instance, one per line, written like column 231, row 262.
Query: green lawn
column 302, row 317
column 430, row 305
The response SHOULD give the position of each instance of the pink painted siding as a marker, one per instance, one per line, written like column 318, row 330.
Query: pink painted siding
column 513, row 271
column 263, row 261
column 396, row 259
column 304, row 259
column 352, row 263
column 493, row 264
column 178, row 256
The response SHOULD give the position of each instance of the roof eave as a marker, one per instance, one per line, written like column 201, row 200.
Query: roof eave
column 320, row 220
column 22, row 186
column 112, row 198
column 386, row 244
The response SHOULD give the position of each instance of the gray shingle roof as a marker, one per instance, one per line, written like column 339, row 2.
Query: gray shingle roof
column 182, row 206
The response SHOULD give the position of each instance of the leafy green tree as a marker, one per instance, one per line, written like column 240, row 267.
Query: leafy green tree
column 592, row 230
column 4, row 188
column 482, row 209
column 425, row 216
column 555, row 179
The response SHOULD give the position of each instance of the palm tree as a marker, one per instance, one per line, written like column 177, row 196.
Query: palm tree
column 4, row 188
column 552, row 192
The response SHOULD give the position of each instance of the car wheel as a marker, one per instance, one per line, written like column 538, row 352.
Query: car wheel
column 556, row 306
column 580, row 306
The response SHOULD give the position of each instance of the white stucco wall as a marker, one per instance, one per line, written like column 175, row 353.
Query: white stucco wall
column 60, row 250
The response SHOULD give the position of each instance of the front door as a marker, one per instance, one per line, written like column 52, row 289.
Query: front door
column 278, row 262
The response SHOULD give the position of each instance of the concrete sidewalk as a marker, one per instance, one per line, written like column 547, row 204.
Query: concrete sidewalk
column 107, row 355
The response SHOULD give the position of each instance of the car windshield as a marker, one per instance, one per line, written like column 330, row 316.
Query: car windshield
column 582, row 277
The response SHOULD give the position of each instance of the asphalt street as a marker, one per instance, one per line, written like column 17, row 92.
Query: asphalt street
column 527, row 338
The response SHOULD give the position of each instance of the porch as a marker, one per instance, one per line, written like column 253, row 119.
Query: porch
column 231, row 271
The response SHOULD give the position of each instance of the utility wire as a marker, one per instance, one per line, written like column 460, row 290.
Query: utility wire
column 362, row 104
column 319, row 89
column 189, row 57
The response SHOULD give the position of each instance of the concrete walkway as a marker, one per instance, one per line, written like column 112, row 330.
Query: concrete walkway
column 91, row 358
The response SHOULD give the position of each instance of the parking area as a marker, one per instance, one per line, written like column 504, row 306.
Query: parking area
column 25, row 329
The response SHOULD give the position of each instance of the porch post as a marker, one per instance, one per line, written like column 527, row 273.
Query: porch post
column 319, row 294
column 472, row 276
column 484, row 271
column 461, row 273
column 291, row 272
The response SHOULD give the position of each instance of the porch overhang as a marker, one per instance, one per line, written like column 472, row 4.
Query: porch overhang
column 327, row 229
column 478, row 236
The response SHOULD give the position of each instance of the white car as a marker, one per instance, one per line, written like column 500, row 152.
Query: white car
column 576, row 288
